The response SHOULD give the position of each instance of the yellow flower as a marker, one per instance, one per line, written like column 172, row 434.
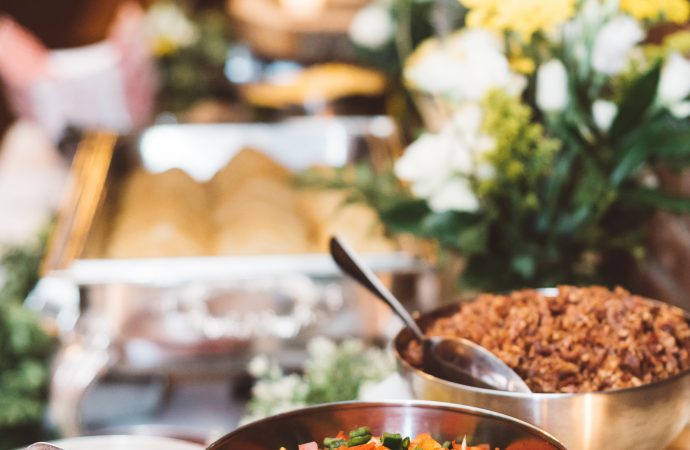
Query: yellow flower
column 677, row 11
column 524, row 17
column 522, row 64
column 678, row 42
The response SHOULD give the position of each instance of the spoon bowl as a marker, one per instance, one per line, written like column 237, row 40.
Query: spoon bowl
column 457, row 360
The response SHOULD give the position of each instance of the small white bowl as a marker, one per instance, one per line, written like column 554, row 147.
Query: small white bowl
column 124, row 443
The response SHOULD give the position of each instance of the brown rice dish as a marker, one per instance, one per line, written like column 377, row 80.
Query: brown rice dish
column 582, row 340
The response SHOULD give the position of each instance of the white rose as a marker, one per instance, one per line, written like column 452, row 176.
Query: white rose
column 674, row 84
column 604, row 112
column 372, row 27
column 454, row 195
column 552, row 86
column 614, row 43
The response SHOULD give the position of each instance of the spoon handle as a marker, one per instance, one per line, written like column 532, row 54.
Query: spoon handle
column 349, row 262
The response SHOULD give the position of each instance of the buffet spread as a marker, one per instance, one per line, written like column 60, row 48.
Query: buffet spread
column 542, row 136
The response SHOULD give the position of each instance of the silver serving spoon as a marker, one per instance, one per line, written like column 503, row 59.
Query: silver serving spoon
column 457, row 360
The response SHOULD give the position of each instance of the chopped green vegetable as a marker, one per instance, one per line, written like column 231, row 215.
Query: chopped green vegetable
column 334, row 442
column 406, row 443
column 392, row 441
column 361, row 431
column 446, row 444
column 359, row 440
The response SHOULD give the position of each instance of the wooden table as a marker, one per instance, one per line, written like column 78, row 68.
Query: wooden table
column 682, row 442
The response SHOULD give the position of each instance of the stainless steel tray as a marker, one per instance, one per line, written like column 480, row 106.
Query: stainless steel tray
column 201, row 150
column 205, row 316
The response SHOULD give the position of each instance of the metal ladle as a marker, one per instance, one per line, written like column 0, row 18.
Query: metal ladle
column 458, row 360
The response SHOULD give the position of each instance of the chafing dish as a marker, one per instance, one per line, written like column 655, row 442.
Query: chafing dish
column 203, row 316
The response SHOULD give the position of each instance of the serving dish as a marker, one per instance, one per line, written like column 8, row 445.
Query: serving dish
column 648, row 417
column 409, row 417
column 119, row 442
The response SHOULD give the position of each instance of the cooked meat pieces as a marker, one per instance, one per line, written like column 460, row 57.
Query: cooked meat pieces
column 585, row 339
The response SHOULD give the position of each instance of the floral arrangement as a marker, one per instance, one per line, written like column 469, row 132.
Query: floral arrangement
column 547, row 122
column 333, row 372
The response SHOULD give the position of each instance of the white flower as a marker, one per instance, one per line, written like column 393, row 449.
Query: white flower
column 439, row 166
column 604, row 112
column 321, row 348
column 454, row 195
column 167, row 28
column 614, row 43
column 552, row 86
column 259, row 366
column 680, row 110
column 372, row 27
column 437, row 72
column 674, row 84
column 466, row 126
column 464, row 67
column 352, row 346
column 426, row 163
column 473, row 40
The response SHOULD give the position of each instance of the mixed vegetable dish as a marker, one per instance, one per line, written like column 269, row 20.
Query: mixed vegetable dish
column 362, row 439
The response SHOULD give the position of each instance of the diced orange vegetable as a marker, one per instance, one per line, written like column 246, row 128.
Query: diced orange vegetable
column 458, row 446
column 367, row 446
column 425, row 442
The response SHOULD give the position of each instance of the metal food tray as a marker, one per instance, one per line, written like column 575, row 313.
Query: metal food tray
column 205, row 316
column 201, row 150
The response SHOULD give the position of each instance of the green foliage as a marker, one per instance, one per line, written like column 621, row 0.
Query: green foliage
column 24, row 348
column 196, row 71
column 333, row 372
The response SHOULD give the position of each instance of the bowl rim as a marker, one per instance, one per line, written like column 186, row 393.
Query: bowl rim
column 521, row 395
column 422, row 404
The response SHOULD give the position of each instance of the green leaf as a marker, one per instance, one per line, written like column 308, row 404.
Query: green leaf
column 570, row 222
column 664, row 138
column 656, row 199
column 524, row 265
column 406, row 217
column 636, row 102
column 460, row 231
column 473, row 239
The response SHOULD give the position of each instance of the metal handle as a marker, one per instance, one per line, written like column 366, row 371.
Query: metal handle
column 349, row 262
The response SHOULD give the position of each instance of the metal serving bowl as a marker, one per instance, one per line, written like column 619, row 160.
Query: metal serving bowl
column 647, row 417
column 409, row 418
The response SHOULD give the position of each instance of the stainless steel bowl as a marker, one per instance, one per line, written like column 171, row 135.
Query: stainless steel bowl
column 410, row 418
column 644, row 418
